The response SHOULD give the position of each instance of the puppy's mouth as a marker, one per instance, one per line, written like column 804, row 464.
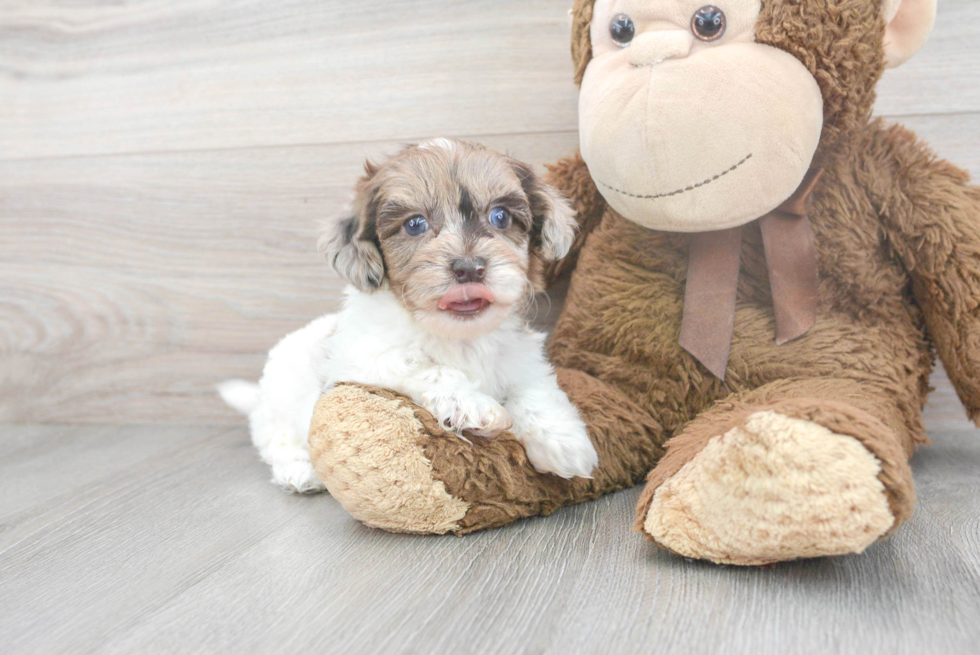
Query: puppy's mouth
column 466, row 300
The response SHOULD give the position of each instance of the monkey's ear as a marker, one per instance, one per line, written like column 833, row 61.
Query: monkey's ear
column 581, row 13
column 909, row 23
column 351, row 243
column 553, row 218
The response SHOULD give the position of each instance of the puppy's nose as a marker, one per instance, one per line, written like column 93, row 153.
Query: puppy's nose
column 469, row 269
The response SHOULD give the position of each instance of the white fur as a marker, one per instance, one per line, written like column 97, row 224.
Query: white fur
column 480, row 386
column 441, row 142
column 240, row 395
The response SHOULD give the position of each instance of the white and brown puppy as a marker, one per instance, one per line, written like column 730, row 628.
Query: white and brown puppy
column 444, row 250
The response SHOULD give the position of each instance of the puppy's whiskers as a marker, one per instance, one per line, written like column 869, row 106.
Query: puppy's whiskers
column 535, row 303
column 528, row 302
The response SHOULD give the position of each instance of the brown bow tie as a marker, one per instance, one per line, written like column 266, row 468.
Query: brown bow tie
column 712, row 280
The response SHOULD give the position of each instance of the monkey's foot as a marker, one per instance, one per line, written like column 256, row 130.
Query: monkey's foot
column 770, row 488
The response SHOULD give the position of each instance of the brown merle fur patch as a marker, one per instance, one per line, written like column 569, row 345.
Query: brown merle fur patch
column 454, row 185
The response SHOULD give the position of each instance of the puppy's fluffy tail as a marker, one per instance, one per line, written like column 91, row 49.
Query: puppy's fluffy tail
column 240, row 395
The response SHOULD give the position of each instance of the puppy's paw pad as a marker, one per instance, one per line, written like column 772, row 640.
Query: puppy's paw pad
column 297, row 477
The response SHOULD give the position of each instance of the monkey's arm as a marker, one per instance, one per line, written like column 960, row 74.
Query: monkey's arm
column 932, row 217
column 571, row 176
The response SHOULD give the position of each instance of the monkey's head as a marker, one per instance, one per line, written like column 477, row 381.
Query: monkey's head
column 697, row 117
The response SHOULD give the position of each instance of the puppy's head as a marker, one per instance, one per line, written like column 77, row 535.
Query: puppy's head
column 458, row 232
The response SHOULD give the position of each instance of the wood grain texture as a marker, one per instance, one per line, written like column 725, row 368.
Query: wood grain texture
column 130, row 285
column 163, row 167
column 129, row 288
column 90, row 78
column 171, row 540
column 935, row 80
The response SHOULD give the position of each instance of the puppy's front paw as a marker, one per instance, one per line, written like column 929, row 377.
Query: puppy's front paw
column 296, row 477
column 565, row 451
column 472, row 414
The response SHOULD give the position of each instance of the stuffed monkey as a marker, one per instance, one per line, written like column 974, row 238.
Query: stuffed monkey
column 762, row 280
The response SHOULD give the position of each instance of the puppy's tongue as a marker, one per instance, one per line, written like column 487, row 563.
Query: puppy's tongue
column 465, row 298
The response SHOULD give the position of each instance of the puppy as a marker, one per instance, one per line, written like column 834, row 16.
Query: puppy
column 444, row 251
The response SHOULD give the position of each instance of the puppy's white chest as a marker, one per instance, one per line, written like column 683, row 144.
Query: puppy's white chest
column 479, row 360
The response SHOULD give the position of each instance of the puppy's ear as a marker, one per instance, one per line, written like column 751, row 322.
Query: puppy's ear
column 351, row 243
column 554, row 219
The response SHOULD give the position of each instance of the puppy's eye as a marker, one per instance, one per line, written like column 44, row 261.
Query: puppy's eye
column 416, row 226
column 500, row 218
column 622, row 30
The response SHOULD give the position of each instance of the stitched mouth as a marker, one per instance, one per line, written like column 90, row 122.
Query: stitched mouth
column 657, row 196
column 466, row 300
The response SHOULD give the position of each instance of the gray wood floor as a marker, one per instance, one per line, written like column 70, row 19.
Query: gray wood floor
column 163, row 166
column 170, row 539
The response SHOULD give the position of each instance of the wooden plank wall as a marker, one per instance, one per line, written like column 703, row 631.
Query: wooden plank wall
column 164, row 163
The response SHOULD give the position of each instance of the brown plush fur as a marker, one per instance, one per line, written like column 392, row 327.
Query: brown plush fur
column 898, row 247
column 495, row 478
column 491, row 476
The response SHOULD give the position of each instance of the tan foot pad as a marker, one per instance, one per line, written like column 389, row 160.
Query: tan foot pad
column 367, row 451
column 775, row 489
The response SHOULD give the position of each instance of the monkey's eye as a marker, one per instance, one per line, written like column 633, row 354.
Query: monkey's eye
column 500, row 218
column 416, row 225
column 622, row 30
column 708, row 23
